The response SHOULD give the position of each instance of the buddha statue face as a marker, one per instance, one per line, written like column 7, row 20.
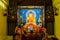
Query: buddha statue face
column 31, row 15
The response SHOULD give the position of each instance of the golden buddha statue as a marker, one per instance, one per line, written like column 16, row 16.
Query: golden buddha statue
column 31, row 18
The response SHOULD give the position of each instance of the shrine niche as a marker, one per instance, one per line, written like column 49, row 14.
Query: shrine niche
column 38, row 12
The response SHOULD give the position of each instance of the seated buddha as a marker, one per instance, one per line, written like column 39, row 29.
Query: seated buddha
column 31, row 18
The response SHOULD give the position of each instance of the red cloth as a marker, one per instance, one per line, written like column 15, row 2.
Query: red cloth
column 30, row 36
column 20, row 30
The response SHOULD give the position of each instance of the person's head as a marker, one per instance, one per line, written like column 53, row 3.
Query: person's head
column 19, row 26
column 25, row 32
column 16, row 36
column 31, row 31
